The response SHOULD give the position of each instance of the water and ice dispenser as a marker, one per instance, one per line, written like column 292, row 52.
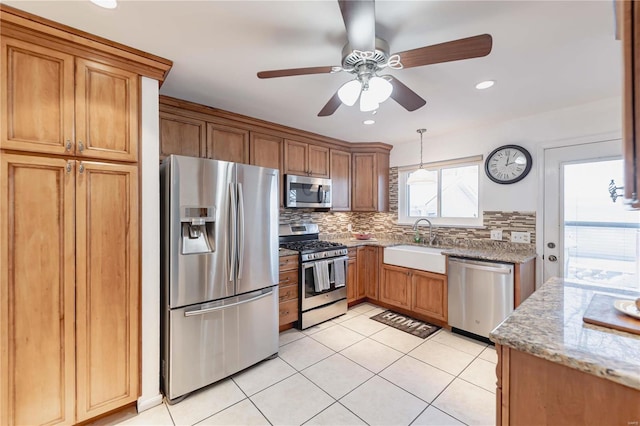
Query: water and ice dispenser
column 198, row 229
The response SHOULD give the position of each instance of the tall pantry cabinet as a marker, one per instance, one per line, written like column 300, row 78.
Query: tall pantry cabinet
column 69, row 225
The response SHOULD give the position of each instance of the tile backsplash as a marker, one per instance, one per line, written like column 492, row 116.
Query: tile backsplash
column 384, row 225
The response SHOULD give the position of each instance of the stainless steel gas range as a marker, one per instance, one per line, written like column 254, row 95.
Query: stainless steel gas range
column 323, row 273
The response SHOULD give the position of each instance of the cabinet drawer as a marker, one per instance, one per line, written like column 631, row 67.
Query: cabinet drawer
column 288, row 292
column 289, row 277
column 352, row 252
column 288, row 311
column 287, row 263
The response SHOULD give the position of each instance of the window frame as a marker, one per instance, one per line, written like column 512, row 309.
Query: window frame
column 403, row 196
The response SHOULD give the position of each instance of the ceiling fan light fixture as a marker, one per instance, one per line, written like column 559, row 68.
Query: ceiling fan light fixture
column 485, row 84
column 368, row 122
column 349, row 92
column 107, row 4
column 380, row 88
column 368, row 101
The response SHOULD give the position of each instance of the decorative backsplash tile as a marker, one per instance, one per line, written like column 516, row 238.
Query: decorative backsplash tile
column 384, row 226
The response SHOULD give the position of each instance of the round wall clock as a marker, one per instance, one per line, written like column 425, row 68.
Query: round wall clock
column 508, row 164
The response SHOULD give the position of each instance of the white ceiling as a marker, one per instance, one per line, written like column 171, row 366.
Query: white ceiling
column 546, row 55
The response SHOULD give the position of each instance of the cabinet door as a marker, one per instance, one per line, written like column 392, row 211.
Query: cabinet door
column 363, row 273
column 37, row 282
column 266, row 151
column 395, row 288
column 227, row 143
column 365, row 182
column 352, row 280
column 107, row 102
column 429, row 294
column 295, row 157
column 37, row 98
column 107, row 287
column 340, row 180
column 373, row 271
column 182, row 136
column 318, row 161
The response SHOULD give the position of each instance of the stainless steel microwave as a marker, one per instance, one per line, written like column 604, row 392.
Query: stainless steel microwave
column 307, row 192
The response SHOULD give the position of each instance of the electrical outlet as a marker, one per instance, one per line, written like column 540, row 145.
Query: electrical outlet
column 520, row 237
column 496, row 234
column 349, row 227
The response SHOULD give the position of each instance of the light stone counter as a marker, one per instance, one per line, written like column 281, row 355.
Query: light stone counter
column 549, row 325
column 286, row 252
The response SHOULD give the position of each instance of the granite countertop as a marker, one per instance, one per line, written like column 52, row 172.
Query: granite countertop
column 549, row 325
column 286, row 252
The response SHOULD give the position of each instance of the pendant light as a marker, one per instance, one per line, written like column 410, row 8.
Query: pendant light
column 420, row 176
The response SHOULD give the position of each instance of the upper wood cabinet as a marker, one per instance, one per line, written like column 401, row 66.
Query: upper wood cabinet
column 305, row 159
column 370, row 181
column 629, row 22
column 227, row 143
column 182, row 136
column 266, row 151
column 49, row 109
column 340, row 180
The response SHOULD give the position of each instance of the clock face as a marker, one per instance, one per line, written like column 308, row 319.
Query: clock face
column 508, row 164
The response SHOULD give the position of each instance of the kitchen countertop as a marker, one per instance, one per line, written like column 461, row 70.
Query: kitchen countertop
column 286, row 252
column 549, row 325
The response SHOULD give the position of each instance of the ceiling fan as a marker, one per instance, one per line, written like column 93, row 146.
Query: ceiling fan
column 365, row 55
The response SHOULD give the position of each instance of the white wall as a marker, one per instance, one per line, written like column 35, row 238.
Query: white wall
column 149, row 151
column 601, row 117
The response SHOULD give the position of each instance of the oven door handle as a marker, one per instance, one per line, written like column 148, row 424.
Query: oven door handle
column 312, row 263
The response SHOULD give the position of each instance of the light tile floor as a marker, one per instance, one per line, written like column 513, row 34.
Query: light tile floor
column 348, row 371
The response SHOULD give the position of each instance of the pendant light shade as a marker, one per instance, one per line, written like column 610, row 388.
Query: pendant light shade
column 420, row 176
column 349, row 92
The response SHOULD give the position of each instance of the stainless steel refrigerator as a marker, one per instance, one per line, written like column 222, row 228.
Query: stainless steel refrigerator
column 219, row 298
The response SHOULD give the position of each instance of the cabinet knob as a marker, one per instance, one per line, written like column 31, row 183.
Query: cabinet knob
column 80, row 146
column 69, row 167
column 81, row 168
column 68, row 145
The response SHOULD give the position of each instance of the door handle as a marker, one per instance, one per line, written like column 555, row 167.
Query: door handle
column 232, row 231
column 218, row 308
column 240, row 230
column 552, row 258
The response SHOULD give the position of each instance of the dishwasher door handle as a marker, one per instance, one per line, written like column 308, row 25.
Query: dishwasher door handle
column 482, row 266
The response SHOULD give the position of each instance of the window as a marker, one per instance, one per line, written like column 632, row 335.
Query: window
column 448, row 193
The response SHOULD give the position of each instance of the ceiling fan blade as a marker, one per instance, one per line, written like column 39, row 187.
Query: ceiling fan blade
column 331, row 106
column 464, row 48
column 294, row 71
column 360, row 21
column 406, row 97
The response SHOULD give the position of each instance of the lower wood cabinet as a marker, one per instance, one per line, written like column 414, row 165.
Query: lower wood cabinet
column 368, row 272
column 535, row 391
column 424, row 293
column 69, row 289
column 288, row 290
column 352, row 275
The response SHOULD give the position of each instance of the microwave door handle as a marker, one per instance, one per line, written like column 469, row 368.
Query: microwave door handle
column 320, row 196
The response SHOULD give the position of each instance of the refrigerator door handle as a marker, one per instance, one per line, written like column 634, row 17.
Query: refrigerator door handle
column 240, row 230
column 232, row 231
column 218, row 308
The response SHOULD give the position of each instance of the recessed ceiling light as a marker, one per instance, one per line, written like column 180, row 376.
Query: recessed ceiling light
column 485, row 84
column 368, row 122
column 107, row 4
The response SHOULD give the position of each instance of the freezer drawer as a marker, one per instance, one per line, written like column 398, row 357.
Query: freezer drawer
column 211, row 341
column 480, row 294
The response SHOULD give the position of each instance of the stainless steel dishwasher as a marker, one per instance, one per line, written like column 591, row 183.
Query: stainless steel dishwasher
column 480, row 294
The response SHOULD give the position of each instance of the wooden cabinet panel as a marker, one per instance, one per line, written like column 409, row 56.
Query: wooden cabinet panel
column 182, row 136
column 106, row 112
column 429, row 294
column 352, row 280
column 288, row 277
column 288, row 263
column 368, row 272
column 629, row 22
column 370, row 182
column 266, row 151
column 288, row 292
column 227, row 143
column 37, row 92
column 363, row 273
column 396, row 286
column 295, row 157
column 318, row 161
column 305, row 159
column 107, row 287
column 340, row 180
column 288, row 312
column 37, row 282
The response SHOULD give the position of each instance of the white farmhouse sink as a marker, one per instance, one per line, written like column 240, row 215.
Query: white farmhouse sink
column 416, row 257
